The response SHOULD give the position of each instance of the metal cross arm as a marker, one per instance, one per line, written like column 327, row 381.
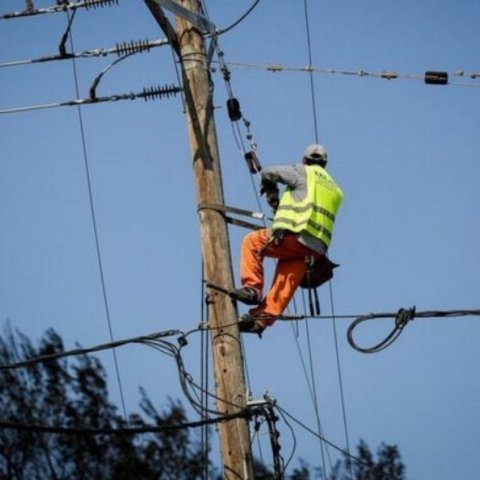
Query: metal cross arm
column 198, row 20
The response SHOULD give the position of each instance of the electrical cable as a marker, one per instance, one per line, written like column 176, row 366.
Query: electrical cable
column 82, row 351
column 121, row 431
column 204, row 374
column 240, row 20
column 63, row 7
column 310, row 380
column 310, row 430
column 312, row 84
column 340, row 378
column 95, row 228
column 386, row 75
column 227, row 81
column 294, row 437
column 141, row 46
column 147, row 94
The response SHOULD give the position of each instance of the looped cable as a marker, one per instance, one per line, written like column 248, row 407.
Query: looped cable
column 402, row 317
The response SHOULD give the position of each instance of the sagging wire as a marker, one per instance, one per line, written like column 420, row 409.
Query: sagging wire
column 191, row 389
column 62, row 6
column 86, row 165
column 83, row 351
column 237, row 22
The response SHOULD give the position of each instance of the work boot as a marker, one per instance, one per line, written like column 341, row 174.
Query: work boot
column 247, row 295
column 249, row 324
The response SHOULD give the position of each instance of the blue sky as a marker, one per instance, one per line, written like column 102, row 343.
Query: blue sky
column 405, row 154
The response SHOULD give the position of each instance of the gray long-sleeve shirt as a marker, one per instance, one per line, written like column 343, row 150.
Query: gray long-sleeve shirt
column 295, row 177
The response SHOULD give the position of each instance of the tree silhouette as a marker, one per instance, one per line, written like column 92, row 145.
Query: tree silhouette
column 73, row 393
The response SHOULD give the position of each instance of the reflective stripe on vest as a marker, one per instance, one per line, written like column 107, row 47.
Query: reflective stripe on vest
column 316, row 213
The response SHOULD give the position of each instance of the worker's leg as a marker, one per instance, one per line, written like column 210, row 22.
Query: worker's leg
column 251, row 265
column 290, row 270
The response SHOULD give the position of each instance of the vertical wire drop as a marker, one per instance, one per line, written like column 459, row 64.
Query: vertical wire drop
column 95, row 232
column 312, row 84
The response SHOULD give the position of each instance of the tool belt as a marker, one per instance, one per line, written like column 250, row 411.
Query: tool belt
column 318, row 272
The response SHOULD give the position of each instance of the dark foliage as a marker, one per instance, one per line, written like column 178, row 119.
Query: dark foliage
column 73, row 393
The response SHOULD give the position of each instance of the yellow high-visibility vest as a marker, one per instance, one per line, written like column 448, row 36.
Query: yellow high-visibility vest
column 316, row 213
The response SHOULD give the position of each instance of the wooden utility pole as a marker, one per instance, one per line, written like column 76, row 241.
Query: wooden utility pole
column 188, row 43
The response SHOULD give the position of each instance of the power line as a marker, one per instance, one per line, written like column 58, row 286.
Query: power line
column 308, row 429
column 63, row 6
column 91, row 202
column 119, row 49
column 121, row 431
column 401, row 319
column 82, row 351
column 150, row 93
column 240, row 20
column 386, row 75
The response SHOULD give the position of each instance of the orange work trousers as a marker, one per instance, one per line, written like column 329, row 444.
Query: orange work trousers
column 289, row 272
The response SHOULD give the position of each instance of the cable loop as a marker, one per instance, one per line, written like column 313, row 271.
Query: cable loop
column 401, row 318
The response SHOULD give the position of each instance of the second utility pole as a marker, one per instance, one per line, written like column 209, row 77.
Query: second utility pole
column 227, row 355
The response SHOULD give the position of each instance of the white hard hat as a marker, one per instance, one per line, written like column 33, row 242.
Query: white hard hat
column 316, row 152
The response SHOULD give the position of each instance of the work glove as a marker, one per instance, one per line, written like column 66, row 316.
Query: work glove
column 272, row 199
column 271, row 192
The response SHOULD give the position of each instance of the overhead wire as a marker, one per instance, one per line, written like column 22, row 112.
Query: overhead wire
column 325, row 454
column 314, row 433
column 95, row 227
column 340, row 376
column 83, row 351
column 63, row 6
column 237, row 22
column 385, row 75
column 143, row 45
column 312, row 83
column 121, row 431
column 237, row 134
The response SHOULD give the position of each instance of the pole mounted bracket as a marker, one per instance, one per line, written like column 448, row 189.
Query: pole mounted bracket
column 197, row 20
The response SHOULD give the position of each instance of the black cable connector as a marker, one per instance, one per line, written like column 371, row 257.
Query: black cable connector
column 252, row 161
column 436, row 78
column 233, row 106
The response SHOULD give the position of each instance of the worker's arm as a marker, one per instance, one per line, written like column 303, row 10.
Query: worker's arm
column 290, row 175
